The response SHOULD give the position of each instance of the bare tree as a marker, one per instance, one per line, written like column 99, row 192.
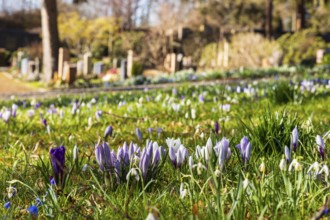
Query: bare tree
column 50, row 38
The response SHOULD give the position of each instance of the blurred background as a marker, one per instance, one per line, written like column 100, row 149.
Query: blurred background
column 64, row 42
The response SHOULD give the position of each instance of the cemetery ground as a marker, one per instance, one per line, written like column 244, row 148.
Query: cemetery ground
column 241, row 150
column 9, row 85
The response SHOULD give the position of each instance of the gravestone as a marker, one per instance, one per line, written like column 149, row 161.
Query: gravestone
column 20, row 55
column 80, row 67
column 63, row 56
column 31, row 67
column 129, row 63
column 24, row 66
column 98, row 68
column 87, row 64
column 69, row 73
column 37, row 66
column 173, row 63
column 115, row 63
column 123, row 69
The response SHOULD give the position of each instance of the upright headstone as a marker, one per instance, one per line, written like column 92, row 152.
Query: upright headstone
column 31, row 67
column 319, row 56
column 123, row 69
column 63, row 56
column 115, row 63
column 66, row 71
column 80, row 67
column 98, row 68
column 71, row 77
column 226, row 54
column 173, row 63
column 37, row 66
column 20, row 55
column 87, row 63
column 24, row 66
column 129, row 63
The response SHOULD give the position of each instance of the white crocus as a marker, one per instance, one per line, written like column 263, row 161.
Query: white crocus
column 262, row 167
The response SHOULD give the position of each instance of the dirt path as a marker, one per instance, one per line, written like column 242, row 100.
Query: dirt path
column 12, row 86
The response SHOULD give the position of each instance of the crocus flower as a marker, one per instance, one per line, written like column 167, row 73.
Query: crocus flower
column 30, row 113
column 6, row 116
column 287, row 154
column 283, row 164
column 216, row 127
column 57, row 156
column 14, row 108
column 150, row 130
column 7, row 205
column 52, row 181
column 296, row 165
column 33, row 210
column 222, row 151
column 108, row 132
column 178, row 155
column 294, row 139
column 75, row 153
column 138, row 134
column 245, row 148
column 11, row 191
column 320, row 146
column 98, row 114
column 314, row 168
column 183, row 191
column 104, row 157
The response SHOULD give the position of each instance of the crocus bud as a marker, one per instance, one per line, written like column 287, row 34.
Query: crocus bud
column 57, row 156
column 282, row 164
column 75, row 153
column 320, row 146
column 287, row 154
column 216, row 127
column 294, row 139
column 108, row 132
column 138, row 134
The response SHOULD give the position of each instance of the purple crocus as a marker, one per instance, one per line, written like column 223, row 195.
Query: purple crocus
column 108, row 131
column 6, row 116
column 178, row 155
column 320, row 146
column 14, row 108
column 294, row 139
column 57, row 156
column 216, row 127
column 222, row 150
column 104, row 157
column 245, row 148
column 139, row 134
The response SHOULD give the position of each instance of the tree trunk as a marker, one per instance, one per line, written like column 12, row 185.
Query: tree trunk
column 269, row 19
column 50, row 39
column 300, row 15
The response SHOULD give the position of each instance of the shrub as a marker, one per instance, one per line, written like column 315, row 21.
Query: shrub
column 137, row 69
column 300, row 48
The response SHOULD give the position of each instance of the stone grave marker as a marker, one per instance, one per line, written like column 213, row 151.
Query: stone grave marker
column 63, row 56
column 87, row 63
column 123, row 69
column 129, row 63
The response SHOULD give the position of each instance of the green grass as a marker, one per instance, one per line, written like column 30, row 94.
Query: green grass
column 272, row 193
